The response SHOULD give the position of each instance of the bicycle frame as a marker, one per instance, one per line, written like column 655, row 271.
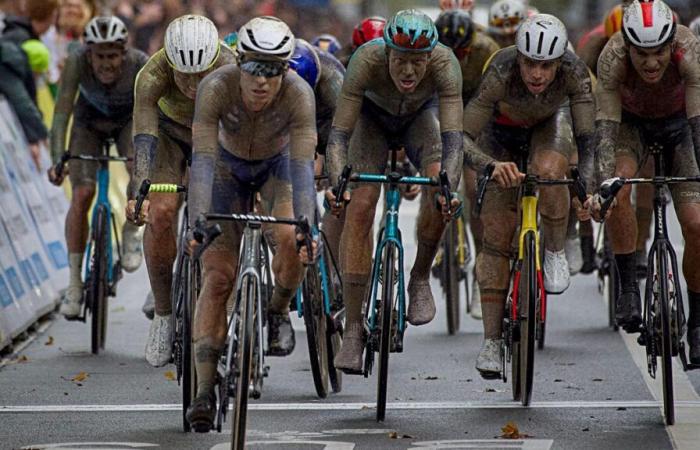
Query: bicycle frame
column 528, row 224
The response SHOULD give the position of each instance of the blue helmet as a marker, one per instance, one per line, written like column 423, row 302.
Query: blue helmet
column 411, row 31
column 305, row 62
column 231, row 39
column 327, row 43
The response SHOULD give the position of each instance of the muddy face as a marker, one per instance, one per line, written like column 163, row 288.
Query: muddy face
column 650, row 63
column 407, row 69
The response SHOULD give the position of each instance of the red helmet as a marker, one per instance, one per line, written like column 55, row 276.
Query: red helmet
column 368, row 29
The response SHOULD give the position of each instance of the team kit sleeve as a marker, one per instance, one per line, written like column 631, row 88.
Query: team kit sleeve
column 151, row 83
column 690, row 71
column 449, row 87
column 67, row 91
column 583, row 113
column 347, row 113
column 302, row 135
column 612, row 68
column 212, row 96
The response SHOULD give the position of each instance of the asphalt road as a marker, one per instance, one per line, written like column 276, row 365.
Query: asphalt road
column 589, row 393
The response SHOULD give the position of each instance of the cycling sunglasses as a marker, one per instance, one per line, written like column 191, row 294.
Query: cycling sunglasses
column 267, row 69
column 405, row 40
column 505, row 22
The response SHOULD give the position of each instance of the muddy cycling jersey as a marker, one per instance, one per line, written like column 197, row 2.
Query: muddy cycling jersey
column 327, row 92
column 620, row 89
column 114, row 102
column 286, row 125
column 472, row 61
column 156, row 88
column 368, row 79
column 504, row 99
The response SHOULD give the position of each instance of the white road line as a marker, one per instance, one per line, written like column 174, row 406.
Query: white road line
column 686, row 432
column 693, row 406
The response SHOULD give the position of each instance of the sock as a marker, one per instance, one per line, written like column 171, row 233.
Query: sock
column 424, row 259
column 627, row 268
column 75, row 263
column 492, row 308
column 694, row 307
column 354, row 289
column 279, row 304
column 206, row 358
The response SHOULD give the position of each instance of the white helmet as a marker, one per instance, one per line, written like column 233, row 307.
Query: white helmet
column 542, row 37
column 191, row 44
column 695, row 26
column 266, row 38
column 105, row 30
column 648, row 24
column 507, row 14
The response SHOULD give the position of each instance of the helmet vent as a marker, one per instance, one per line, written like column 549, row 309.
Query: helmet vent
column 633, row 35
column 182, row 57
column 540, row 42
column 527, row 42
column 664, row 30
column 552, row 47
column 201, row 54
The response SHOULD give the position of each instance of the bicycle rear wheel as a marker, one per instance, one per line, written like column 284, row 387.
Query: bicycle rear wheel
column 386, row 307
column 526, row 314
column 316, row 329
column 97, row 289
column 336, row 321
column 451, row 272
column 612, row 282
column 666, row 347
column 245, row 331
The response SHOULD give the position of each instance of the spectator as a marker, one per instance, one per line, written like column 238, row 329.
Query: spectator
column 17, row 85
column 40, row 15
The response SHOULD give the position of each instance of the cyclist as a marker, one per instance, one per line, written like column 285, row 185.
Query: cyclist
column 647, row 91
column 522, row 101
column 325, row 74
column 327, row 43
column 466, row 5
column 254, row 125
column 101, row 73
column 695, row 26
column 368, row 29
column 394, row 90
column 504, row 18
column 473, row 49
column 164, row 107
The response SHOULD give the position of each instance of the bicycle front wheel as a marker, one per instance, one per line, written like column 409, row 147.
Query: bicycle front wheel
column 246, row 337
column 386, row 308
column 189, row 292
column 97, row 288
column 451, row 272
column 527, row 304
column 316, row 329
column 666, row 346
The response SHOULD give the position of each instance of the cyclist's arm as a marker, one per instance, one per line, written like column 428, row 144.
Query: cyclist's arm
column 302, row 134
column 477, row 114
column 611, row 70
column 449, row 86
column 583, row 115
column 67, row 90
column 209, row 107
column 327, row 93
column 150, row 86
column 346, row 114
column 690, row 71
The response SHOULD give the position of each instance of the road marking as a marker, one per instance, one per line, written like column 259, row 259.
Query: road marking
column 684, row 434
column 90, row 445
column 693, row 406
column 484, row 444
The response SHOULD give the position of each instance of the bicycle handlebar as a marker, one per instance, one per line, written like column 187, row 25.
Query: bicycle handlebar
column 481, row 188
column 612, row 186
column 339, row 190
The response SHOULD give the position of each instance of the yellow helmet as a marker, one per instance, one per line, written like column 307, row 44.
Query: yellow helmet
column 613, row 21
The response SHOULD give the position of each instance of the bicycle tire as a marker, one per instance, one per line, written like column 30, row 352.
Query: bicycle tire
column 98, row 281
column 334, row 328
column 526, row 312
column 666, row 346
column 451, row 272
column 515, row 371
column 316, row 329
column 190, row 292
column 386, row 334
column 612, row 282
column 245, row 331
column 334, row 343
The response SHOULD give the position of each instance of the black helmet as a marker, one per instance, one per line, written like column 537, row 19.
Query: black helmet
column 455, row 28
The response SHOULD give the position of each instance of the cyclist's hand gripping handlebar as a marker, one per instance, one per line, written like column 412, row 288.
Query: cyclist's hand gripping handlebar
column 608, row 190
column 61, row 164
column 304, row 229
column 339, row 191
column 141, row 196
column 579, row 185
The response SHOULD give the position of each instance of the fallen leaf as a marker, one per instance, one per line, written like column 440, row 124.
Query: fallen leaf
column 23, row 359
column 510, row 431
column 49, row 341
column 597, row 379
column 558, row 380
column 621, row 408
column 430, row 378
column 118, row 309
column 407, row 436
column 393, row 435
column 489, row 390
column 586, row 429
column 82, row 376
column 170, row 375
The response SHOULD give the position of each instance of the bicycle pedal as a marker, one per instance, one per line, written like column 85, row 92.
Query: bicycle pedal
column 266, row 371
